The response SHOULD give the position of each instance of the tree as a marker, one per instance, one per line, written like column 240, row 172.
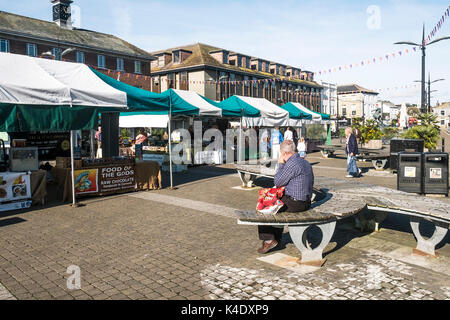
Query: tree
column 428, row 130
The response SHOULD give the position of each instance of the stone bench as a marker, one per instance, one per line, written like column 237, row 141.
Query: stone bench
column 346, row 198
column 325, row 211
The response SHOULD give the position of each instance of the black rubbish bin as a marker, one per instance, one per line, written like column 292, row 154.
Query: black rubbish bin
column 436, row 173
column 410, row 172
column 403, row 145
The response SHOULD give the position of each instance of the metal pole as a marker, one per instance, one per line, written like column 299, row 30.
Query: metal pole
column 423, row 98
column 170, row 142
column 429, row 93
column 72, row 162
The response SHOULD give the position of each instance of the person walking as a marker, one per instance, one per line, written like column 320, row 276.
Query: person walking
column 351, row 150
column 301, row 148
column 275, row 142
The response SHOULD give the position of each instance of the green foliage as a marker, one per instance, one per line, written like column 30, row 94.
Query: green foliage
column 125, row 133
column 390, row 132
column 316, row 132
column 369, row 131
column 341, row 132
column 428, row 130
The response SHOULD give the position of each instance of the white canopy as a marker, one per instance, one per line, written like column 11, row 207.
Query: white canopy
column 271, row 114
column 36, row 81
column 194, row 99
column 143, row 120
column 315, row 116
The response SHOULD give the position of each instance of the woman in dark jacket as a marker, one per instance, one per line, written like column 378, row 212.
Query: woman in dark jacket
column 351, row 150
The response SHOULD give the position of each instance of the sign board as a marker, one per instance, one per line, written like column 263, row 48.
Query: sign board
column 117, row 178
column 86, row 181
column 51, row 144
column 14, row 186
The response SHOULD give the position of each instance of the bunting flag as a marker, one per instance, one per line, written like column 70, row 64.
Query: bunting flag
column 438, row 26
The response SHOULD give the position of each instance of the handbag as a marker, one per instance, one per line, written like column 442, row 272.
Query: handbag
column 351, row 167
column 269, row 201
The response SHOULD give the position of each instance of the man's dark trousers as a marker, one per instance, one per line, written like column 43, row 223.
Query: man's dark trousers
column 290, row 205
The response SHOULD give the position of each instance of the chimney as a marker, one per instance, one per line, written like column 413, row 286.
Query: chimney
column 62, row 13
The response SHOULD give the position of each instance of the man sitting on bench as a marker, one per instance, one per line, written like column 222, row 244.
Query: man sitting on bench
column 296, row 174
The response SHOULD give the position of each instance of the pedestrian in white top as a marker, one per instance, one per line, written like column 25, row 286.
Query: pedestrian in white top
column 301, row 148
column 288, row 134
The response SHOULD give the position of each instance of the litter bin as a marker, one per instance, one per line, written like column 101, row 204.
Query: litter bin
column 403, row 145
column 436, row 173
column 410, row 172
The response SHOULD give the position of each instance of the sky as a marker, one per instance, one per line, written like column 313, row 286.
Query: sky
column 314, row 35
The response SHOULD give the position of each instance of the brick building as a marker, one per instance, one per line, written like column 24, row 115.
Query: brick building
column 218, row 74
column 60, row 40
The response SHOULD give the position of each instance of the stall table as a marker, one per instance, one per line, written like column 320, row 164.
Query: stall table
column 135, row 177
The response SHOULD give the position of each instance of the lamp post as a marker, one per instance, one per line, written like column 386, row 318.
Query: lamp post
column 423, row 47
column 429, row 90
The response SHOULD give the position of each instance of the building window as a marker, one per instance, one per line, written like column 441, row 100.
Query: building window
column 161, row 61
column 253, row 67
column 57, row 53
column 101, row 61
column 171, row 78
column 239, row 63
column 137, row 67
column 344, row 112
column 225, row 57
column 31, row 50
column 443, row 122
column 80, row 57
column 4, row 45
column 176, row 57
column 246, row 80
column 442, row 112
column 120, row 64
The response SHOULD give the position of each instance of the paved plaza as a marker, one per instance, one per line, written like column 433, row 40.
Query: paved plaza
column 186, row 244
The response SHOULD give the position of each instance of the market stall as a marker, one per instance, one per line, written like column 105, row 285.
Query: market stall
column 45, row 95
column 257, row 112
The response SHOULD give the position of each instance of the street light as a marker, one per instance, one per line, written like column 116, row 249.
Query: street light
column 429, row 89
column 423, row 48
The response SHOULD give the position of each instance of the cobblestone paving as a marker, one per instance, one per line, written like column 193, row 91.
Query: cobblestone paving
column 5, row 294
column 150, row 246
column 370, row 277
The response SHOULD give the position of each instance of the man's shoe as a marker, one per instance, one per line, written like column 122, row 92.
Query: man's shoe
column 349, row 176
column 266, row 247
column 359, row 172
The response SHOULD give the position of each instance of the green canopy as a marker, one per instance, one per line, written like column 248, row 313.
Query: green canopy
column 139, row 100
column 295, row 113
column 235, row 107
column 25, row 118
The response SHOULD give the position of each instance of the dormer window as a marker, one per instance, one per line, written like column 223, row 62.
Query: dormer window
column 161, row 61
column 176, row 57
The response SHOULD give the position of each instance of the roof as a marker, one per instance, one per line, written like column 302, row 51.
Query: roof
column 49, row 31
column 201, row 56
column 445, row 105
column 353, row 88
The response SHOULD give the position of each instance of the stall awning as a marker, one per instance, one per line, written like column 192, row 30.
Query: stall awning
column 315, row 116
column 259, row 111
column 38, row 94
column 142, row 120
column 237, row 108
column 191, row 103
column 296, row 113
column 138, row 99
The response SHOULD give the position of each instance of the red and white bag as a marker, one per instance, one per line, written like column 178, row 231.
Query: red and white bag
column 269, row 201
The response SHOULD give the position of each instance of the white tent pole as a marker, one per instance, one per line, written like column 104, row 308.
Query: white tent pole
column 74, row 201
column 170, row 142
column 240, row 140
